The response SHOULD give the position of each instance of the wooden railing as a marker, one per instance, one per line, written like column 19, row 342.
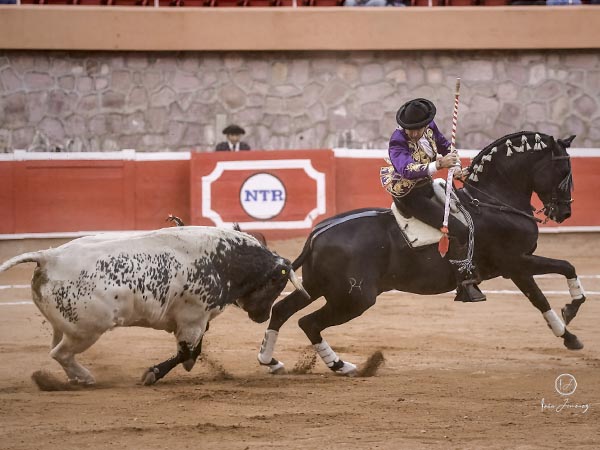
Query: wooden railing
column 290, row 29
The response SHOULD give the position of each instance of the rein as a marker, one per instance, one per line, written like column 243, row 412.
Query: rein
column 503, row 208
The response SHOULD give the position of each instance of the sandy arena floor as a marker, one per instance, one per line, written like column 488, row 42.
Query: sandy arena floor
column 456, row 376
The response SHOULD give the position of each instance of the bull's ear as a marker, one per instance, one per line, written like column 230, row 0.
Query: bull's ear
column 566, row 143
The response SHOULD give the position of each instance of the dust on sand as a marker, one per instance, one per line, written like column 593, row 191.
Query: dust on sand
column 456, row 376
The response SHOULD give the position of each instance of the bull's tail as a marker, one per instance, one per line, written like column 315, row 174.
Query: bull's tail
column 24, row 258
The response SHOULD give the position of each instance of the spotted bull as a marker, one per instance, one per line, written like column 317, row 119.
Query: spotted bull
column 174, row 279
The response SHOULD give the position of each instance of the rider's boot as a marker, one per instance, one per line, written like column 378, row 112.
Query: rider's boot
column 468, row 292
column 466, row 280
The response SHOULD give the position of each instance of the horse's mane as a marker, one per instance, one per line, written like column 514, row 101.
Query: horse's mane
column 501, row 142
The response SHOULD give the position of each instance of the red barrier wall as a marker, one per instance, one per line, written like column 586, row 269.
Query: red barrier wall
column 64, row 196
column 357, row 184
column 7, row 197
column 277, row 192
column 584, row 209
column 74, row 195
column 49, row 196
column 162, row 188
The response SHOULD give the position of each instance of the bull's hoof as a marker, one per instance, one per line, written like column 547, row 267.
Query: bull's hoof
column 345, row 369
column 149, row 376
column 188, row 364
column 571, row 341
column 82, row 381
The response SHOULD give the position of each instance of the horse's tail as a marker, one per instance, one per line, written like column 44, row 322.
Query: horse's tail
column 24, row 258
column 307, row 248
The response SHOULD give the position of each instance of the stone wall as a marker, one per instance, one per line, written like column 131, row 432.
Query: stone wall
column 100, row 101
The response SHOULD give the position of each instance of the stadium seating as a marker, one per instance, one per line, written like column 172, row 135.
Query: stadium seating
column 127, row 2
column 460, row 2
column 494, row 2
column 425, row 2
column 178, row 3
column 267, row 3
column 320, row 2
column 274, row 3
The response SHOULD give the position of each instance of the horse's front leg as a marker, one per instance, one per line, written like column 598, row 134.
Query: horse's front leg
column 528, row 286
column 539, row 265
column 281, row 312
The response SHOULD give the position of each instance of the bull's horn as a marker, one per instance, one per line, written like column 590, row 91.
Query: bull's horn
column 297, row 284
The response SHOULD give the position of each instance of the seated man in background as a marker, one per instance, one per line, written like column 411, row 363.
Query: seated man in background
column 233, row 133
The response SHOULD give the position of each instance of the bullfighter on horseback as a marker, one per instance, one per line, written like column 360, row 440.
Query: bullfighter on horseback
column 417, row 150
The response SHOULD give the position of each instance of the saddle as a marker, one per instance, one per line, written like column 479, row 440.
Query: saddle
column 418, row 233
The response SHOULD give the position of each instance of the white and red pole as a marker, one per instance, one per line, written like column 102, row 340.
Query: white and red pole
column 444, row 242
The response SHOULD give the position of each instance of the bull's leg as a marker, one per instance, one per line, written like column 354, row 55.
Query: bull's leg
column 330, row 315
column 155, row 373
column 280, row 314
column 198, row 348
column 538, row 265
column 64, row 352
column 528, row 286
column 187, row 354
column 57, row 336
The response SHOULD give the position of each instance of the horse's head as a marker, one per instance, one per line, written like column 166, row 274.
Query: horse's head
column 553, row 180
column 522, row 163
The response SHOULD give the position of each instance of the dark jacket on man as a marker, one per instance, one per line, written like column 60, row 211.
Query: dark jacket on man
column 227, row 147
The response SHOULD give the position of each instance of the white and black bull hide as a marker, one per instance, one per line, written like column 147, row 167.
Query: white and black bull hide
column 174, row 279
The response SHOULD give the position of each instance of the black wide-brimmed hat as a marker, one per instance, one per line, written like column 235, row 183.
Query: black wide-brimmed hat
column 415, row 114
column 234, row 129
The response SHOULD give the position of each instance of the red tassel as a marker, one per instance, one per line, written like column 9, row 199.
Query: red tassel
column 444, row 242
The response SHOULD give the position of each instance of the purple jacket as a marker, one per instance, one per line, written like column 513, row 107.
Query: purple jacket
column 410, row 161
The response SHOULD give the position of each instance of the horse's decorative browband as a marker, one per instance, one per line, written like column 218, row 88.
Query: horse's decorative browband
column 510, row 149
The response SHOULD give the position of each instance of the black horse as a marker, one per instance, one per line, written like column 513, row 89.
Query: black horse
column 353, row 257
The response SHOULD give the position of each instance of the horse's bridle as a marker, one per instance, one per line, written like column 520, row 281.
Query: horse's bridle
column 566, row 184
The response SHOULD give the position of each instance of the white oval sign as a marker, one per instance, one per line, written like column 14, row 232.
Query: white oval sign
column 262, row 196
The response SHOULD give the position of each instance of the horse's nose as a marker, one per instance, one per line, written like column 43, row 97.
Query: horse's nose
column 563, row 216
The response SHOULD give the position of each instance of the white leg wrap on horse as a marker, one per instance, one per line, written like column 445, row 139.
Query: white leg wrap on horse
column 575, row 288
column 557, row 325
column 326, row 353
column 265, row 354
column 330, row 358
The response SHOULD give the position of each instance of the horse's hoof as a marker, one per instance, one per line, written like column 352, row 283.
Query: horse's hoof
column 280, row 370
column 572, row 342
column 347, row 370
column 275, row 367
column 149, row 377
